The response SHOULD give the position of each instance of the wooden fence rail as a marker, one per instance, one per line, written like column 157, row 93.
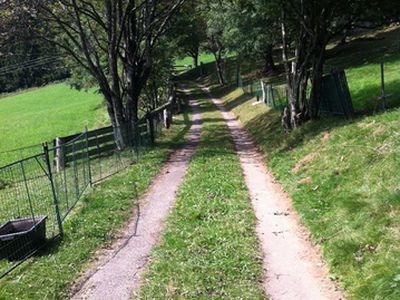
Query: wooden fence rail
column 101, row 141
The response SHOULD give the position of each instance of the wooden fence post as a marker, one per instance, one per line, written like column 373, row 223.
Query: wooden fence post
column 167, row 118
column 60, row 157
column 264, row 92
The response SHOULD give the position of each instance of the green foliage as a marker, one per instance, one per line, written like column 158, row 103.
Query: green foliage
column 157, row 88
column 25, row 59
column 188, row 32
column 214, row 16
column 252, row 27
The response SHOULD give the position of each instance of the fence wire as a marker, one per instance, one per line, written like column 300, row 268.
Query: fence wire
column 38, row 192
column 10, row 156
column 274, row 96
column 71, row 173
column 27, row 210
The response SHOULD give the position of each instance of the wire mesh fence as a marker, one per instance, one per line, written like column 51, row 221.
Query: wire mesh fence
column 274, row 96
column 38, row 192
column 252, row 87
column 27, row 210
column 10, row 156
column 69, row 165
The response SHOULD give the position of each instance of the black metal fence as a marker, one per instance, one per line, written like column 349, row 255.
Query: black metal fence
column 28, row 209
column 38, row 192
column 10, row 156
column 274, row 96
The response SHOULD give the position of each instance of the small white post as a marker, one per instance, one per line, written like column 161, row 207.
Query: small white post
column 264, row 92
column 60, row 162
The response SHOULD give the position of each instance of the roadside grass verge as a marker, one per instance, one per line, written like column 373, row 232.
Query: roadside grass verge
column 92, row 225
column 344, row 181
column 209, row 249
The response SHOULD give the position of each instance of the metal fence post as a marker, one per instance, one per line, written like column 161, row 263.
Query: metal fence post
column 53, row 189
column 88, row 157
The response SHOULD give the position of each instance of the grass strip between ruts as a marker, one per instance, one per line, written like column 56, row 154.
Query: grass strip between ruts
column 209, row 248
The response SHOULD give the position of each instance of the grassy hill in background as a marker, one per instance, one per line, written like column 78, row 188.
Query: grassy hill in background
column 42, row 114
column 188, row 61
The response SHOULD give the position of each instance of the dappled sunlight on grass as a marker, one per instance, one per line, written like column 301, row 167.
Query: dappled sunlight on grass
column 344, row 180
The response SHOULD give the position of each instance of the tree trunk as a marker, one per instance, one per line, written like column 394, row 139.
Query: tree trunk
column 195, row 60
column 269, row 64
column 118, row 123
column 132, row 104
column 220, row 68
column 317, row 74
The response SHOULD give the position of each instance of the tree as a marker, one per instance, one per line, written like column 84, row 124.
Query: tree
column 214, row 15
column 114, row 41
column 25, row 60
column 188, row 30
column 309, row 26
column 253, row 31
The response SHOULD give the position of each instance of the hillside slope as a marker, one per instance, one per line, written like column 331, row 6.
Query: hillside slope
column 343, row 174
column 41, row 114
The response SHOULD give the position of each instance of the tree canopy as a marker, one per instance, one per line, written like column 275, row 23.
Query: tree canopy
column 25, row 60
column 115, row 42
column 127, row 48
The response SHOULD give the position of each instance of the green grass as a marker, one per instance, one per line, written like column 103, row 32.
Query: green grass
column 344, row 181
column 188, row 61
column 361, row 58
column 343, row 175
column 209, row 249
column 42, row 114
column 102, row 211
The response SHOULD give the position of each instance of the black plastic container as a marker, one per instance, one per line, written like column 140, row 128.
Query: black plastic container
column 20, row 238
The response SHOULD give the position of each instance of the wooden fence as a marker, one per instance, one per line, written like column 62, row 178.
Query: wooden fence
column 97, row 143
column 101, row 141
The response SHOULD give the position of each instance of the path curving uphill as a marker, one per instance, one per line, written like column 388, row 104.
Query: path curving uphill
column 294, row 268
column 117, row 275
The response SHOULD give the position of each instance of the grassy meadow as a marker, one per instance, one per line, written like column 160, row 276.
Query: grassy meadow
column 41, row 114
column 188, row 61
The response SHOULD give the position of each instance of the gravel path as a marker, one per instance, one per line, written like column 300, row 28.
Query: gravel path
column 294, row 268
column 117, row 274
